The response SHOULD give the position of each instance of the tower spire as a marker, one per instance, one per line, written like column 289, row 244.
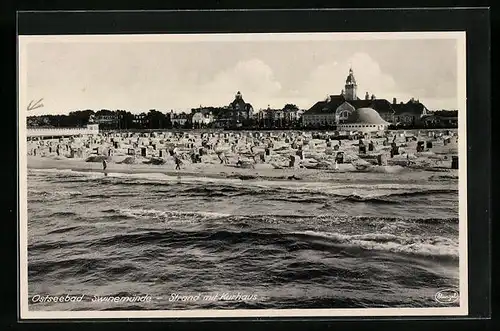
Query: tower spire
column 350, row 86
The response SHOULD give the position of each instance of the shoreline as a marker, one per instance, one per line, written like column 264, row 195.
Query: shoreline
column 347, row 173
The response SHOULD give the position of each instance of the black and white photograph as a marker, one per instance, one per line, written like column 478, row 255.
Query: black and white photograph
column 269, row 174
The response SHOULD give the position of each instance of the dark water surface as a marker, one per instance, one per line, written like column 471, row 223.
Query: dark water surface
column 255, row 244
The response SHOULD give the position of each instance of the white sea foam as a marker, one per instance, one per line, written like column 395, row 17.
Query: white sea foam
column 49, row 170
column 151, row 175
column 145, row 213
column 441, row 247
column 55, row 193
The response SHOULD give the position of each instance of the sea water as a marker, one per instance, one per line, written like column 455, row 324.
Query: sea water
column 233, row 244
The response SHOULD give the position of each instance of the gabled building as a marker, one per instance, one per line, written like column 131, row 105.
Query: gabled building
column 441, row 118
column 287, row 117
column 325, row 113
column 410, row 113
column 202, row 116
column 179, row 119
column 268, row 118
column 236, row 114
column 265, row 117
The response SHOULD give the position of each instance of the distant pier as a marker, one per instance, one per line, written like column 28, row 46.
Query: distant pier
column 90, row 129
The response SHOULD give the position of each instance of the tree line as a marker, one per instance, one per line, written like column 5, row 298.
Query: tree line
column 107, row 119
column 153, row 119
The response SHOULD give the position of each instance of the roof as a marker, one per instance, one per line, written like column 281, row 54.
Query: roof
column 365, row 116
column 382, row 106
column 238, row 101
column 412, row 107
column 446, row 113
column 202, row 114
column 360, row 103
column 327, row 106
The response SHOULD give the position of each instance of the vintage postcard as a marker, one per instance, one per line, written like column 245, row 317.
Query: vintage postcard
column 242, row 175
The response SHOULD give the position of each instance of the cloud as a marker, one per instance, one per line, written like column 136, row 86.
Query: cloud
column 329, row 78
column 254, row 78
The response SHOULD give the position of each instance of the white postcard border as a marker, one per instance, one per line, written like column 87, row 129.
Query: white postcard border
column 25, row 313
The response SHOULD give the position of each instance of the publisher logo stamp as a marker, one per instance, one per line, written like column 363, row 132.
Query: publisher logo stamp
column 448, row 295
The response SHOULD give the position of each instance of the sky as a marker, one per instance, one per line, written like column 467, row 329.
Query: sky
column 165, row 75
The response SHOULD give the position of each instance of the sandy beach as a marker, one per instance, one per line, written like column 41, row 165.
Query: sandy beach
column 318, row 161
column 263, row 172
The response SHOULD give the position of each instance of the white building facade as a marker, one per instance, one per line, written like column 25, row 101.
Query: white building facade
column 201, row 118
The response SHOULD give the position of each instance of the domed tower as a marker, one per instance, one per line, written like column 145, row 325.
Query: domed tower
column 238, row 96
column 350, row 86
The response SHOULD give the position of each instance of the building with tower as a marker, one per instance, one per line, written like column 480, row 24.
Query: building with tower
column 238, row 113
column 239, row 109
column 336, row 109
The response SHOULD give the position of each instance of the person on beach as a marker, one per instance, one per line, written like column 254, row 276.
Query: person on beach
column 254, row 155
column 222, row 158
column 178, row 162
column 104, row 165
column 408, row 161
